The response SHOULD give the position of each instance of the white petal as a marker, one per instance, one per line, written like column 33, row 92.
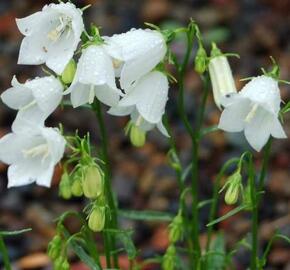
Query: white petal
column 277, row 130
column 141, row 122
column 19, row 175
column 44, row 178
column 258, row 130
column 80, row 94
column 47, row 92
column 233, row 116
column 121, row 111
column 150, row 96
column 107, row 95
column 17, row 96
column 162, row 129
column 28, row 25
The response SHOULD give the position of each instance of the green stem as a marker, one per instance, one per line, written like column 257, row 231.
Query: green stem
column 254, row 203
column 4, row 253
column 113, row 223
column 266, row 158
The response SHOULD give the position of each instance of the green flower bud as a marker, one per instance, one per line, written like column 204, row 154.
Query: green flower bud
column 176, row 229
column 97, row 219
column 54, row 247
column 169, row 259
column 233, row 186
column 215, row 51
column 200, row 60
column 93, row 182
column 77, row 189
column 58, row 263
column 65, row 187
column 65, row 265
column 137, row 136
column 68, row 74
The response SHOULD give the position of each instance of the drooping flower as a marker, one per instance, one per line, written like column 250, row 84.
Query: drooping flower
column 135, row 53
column 221, row 76
column 145, row 102
column 94, row 77
column 254, row 110
column 32, row 154
column 35, row 99
column 51, row 36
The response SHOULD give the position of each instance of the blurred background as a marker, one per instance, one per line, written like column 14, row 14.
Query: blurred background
column 255, row 29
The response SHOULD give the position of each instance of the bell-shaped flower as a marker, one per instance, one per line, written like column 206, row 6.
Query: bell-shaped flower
column 32, row 155
column 255, row 111
column 35, row 99
column 135, row 53
column 145, row 102
column 51, row 36
column 94, row 77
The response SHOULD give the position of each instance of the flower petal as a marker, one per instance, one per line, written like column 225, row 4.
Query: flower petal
column 162, row 129
column 107, row 95
column 28, row 25
column 80, row 94
column 121, row 111
column 277, row 130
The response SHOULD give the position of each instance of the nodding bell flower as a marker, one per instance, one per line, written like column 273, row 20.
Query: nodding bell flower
column 145, row 102
column 35, row 99
column 94, row 77
column 135, row 53
column 51, row 36
column 32, row 154
column 255, row 111
column 221, row 76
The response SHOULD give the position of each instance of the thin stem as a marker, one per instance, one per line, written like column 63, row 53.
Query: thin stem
column 4, row 253
column 254, row 203
column 266, row 158
column 111, row 241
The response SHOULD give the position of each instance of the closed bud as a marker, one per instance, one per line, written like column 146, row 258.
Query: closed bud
column 176, row 229
column 97, row 219
column 58, row 263
column 169, row 258
column 93, row 182
column 65, row 265
column 77, row 189
column 54, row 247
column 200, row 61
column 221, row 76
column 65, row 187
column 68, row 74
column 137, row 136
column 233, row 186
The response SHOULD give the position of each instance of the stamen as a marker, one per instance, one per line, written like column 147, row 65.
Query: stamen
column 65, row 24
column 252, row 113
column 39, row 150
column 139, row 121
column 116, row 63
column 92, row 94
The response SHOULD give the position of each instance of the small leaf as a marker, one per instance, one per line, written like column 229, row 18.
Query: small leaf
column 208, row 130
column 146, row 215
column 12, row 233
column 186, row 172
column 204, row 203
column 227, row 215
column 129, row 246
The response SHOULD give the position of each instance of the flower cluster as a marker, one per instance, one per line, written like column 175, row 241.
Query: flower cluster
column 121, row 71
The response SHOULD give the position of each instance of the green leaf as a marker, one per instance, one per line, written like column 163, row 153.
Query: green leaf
column 186, row 172
column 216, row 256
column 227, row 215
column 204, row 203
column 12, row 233
column 146, row 215
column 129, row 246
column 208, row 130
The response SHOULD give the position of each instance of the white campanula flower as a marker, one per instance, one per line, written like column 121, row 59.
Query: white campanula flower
column 145, row 102
column 51, row 36
column 135, row 53
column 35, row 99
column 255, row 110
column 221, row 78
column 31, row 154
column 94, row 77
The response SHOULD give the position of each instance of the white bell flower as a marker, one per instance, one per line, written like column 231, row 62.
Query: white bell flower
column 94, row 77
column 32, row 155
column 255, row 110
column 145, row 102
column 135, row 53
column 221, row 78
column 51, row 36
column 35, row 99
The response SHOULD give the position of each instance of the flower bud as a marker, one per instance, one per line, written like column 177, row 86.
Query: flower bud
column 97, row 219
column 93, row 182
column 77, row 189
column 221, row 76
column 68, row 74
column 176, row 229
column 57, row 265
column 65, row 265
column 54, row 247
column 137, row 136
column 65, row 187
column 233, row 186
column 169, row 259
column 200, row 60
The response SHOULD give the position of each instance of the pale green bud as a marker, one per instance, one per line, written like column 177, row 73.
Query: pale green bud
column 54, row 247
column 68, row 74
column 169, row 258
column 93, row 182
column 176, row 229
column 65, row 265
column 200, row 61
column 97, row 219
column 58, row 263
column 137, row 136
column 233, row 186
column 77, row 188
column 65, row 187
